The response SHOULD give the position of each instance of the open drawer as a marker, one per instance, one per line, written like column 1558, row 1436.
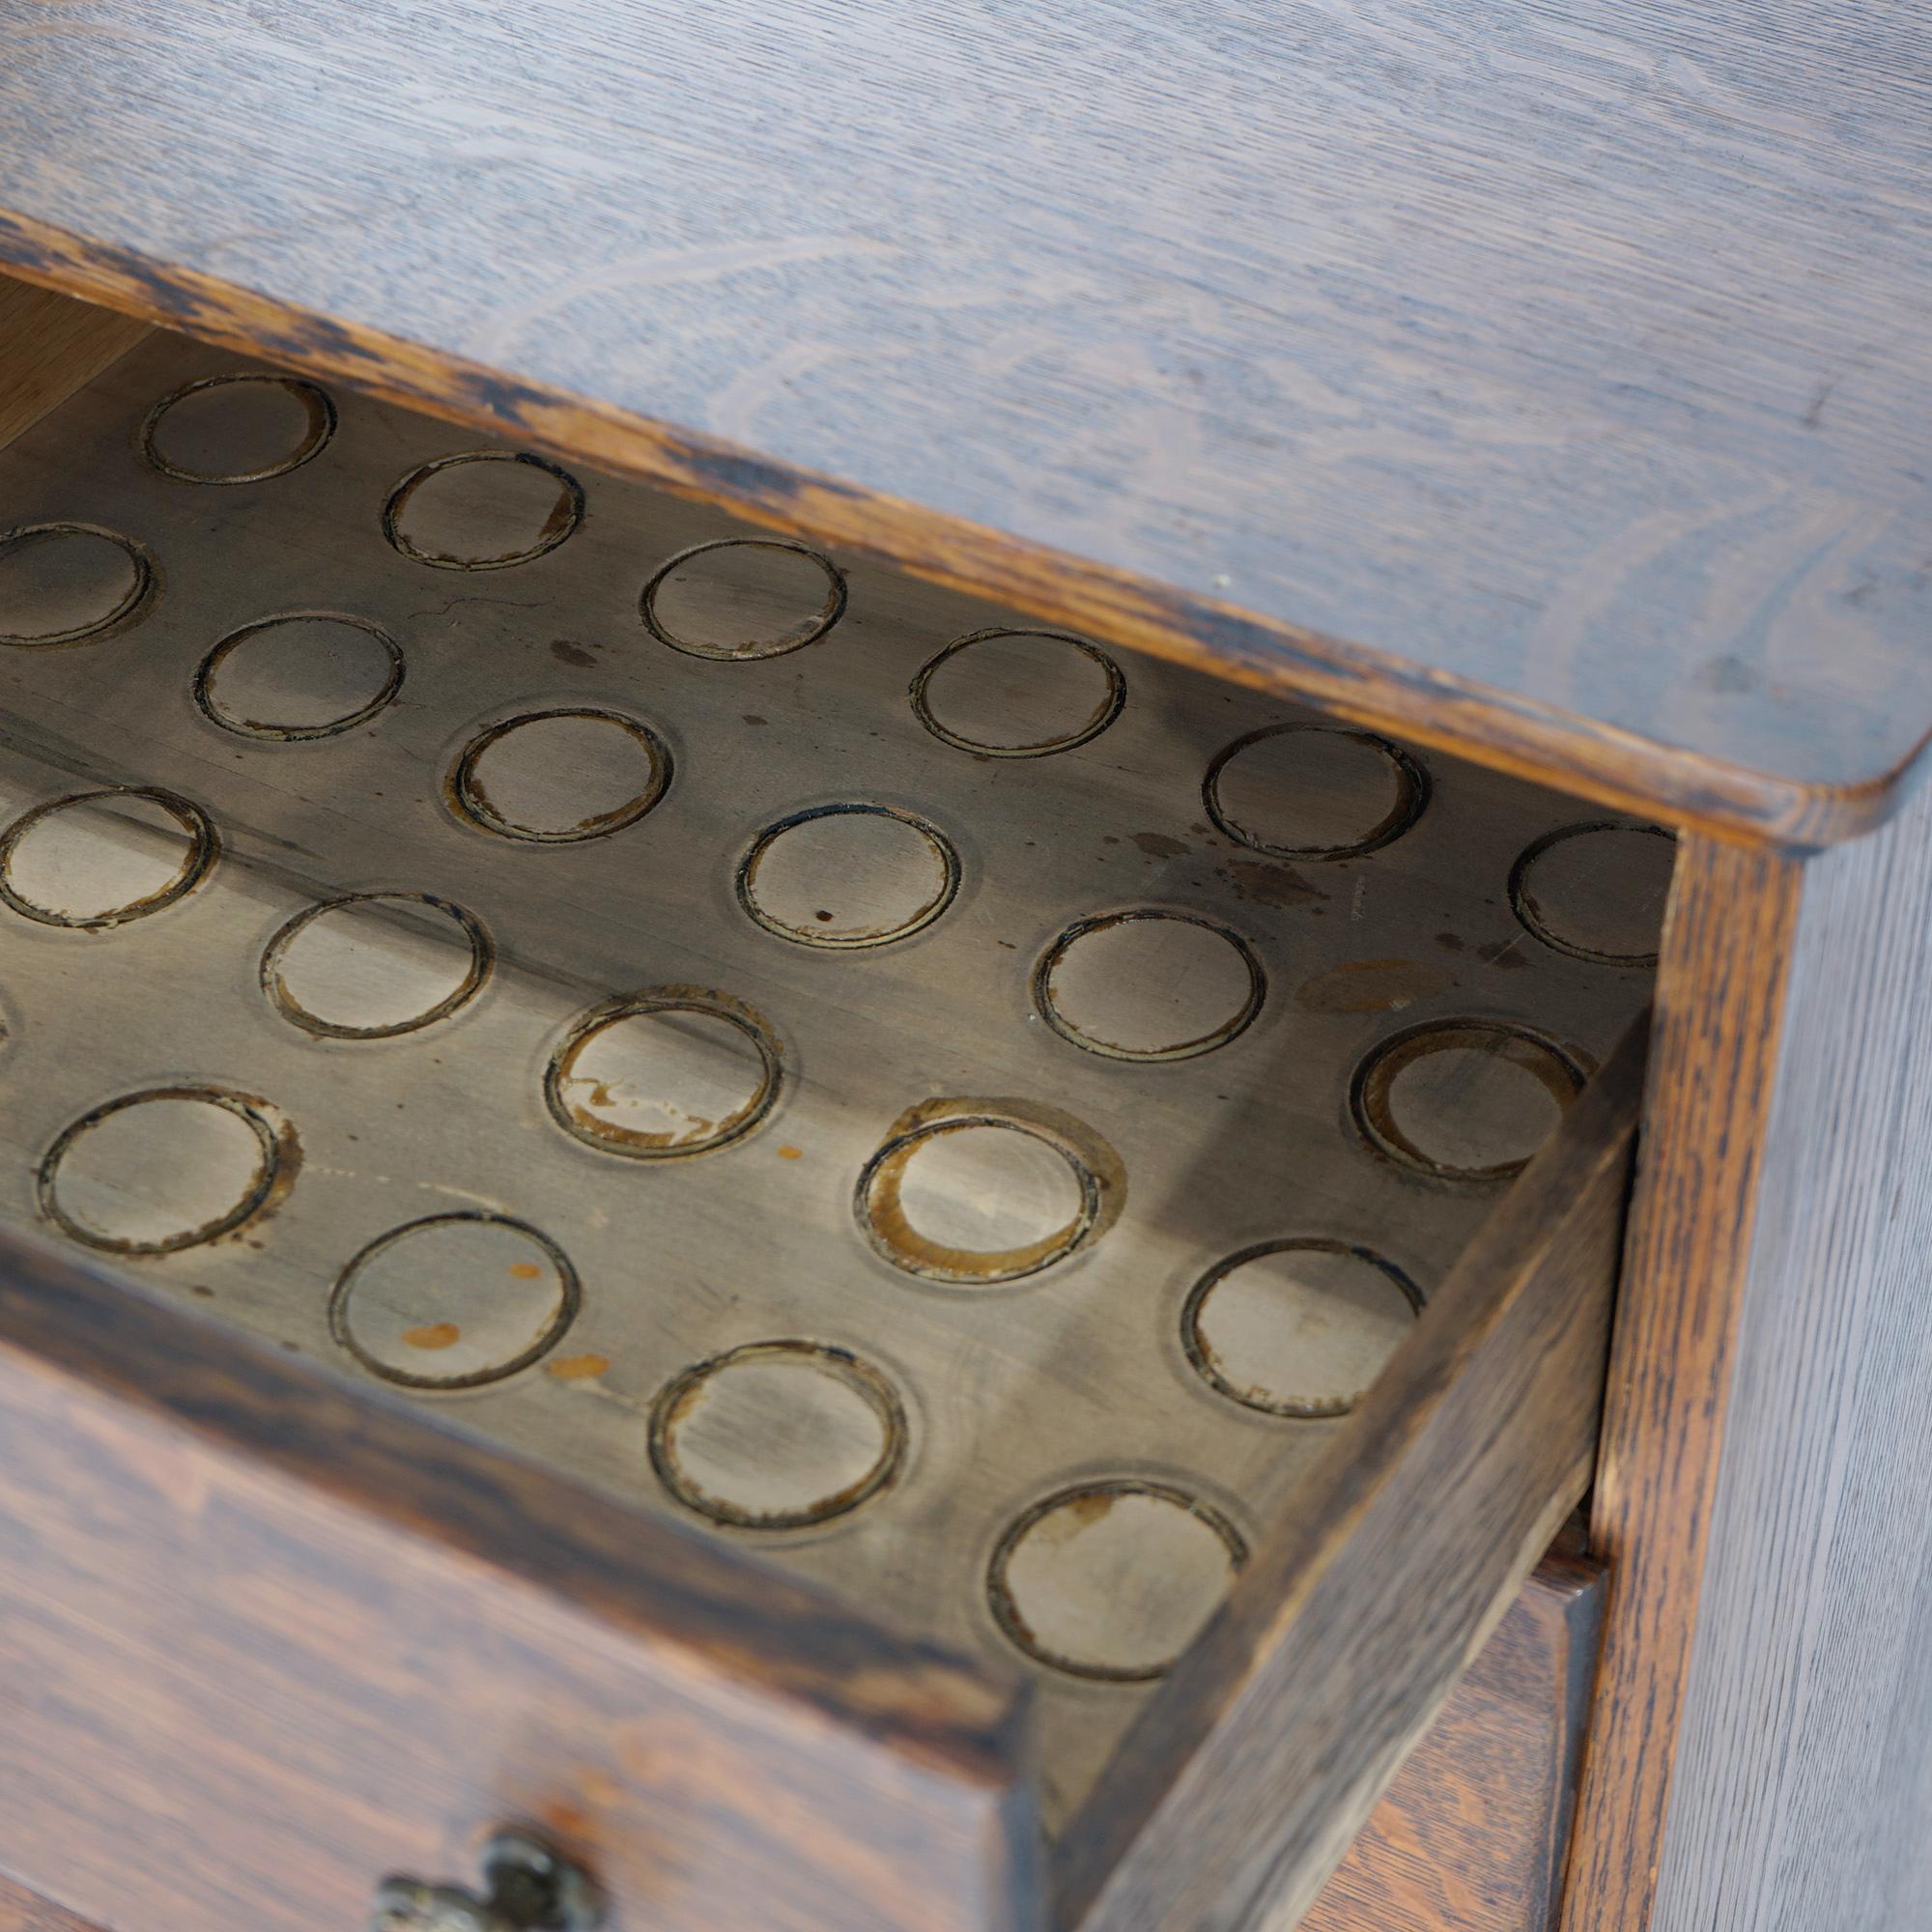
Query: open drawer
column 881, row 1268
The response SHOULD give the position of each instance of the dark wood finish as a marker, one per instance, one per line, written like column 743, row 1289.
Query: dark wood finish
column 1552, row 383
column 1243, row 1782
column 1803, row 1755
column 267, row 1637
column 1471, row 1835
column 1714, row 1057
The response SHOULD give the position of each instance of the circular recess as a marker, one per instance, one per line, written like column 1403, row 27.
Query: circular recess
column 1465, row 1100
column 166, row 1169
column 1018, row 694
column 454, row 1300
column 557, row 777
column 744, row 597
column 848, row 875
column 61, row 582
column 482, row 509
column 1315, row 791
column 98, row 859
column 1597, row 892
column 1113, row 1579
column 372, row 964
column 1297, row 1327
column 309, row 674
column 777, row 1435
column 237, row 429
column 976, row 1199
column 1149, row 986
column 666, row 1074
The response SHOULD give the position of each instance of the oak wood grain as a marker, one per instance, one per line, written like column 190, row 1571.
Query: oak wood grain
column 1568, row 361
column 50, row 346
column 1804, row 1764
column 1581, row 755
column 1725, row 953
column 1244, row 1780
column 1471, row 1835
column 265, row 1637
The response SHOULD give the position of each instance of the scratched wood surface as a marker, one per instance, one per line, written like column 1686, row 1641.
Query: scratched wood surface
column 1550, row 379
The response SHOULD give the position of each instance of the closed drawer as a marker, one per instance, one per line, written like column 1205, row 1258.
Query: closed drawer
column 878, row 1268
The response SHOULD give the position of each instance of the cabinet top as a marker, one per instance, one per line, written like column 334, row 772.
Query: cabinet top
column 1550, row 379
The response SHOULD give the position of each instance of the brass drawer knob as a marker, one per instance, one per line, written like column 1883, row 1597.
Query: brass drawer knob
column 527, row 1888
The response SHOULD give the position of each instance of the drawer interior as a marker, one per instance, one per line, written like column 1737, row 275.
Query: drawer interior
column 954, row 1109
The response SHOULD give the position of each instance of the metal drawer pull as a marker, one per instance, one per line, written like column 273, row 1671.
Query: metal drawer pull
column 529, row 1889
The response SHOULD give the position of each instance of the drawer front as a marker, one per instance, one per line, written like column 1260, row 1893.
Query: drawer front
column 265, row 1639
column 1470, row 1835
column 269, row 1637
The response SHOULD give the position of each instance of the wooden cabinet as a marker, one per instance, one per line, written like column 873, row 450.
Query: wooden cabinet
column 890, row 947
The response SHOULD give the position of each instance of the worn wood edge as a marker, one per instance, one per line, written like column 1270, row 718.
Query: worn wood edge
column 1363, row 684
column 1572, row 1589
column 51, row 345
column 1224, row 1793
column 723, row 1617
column 1583, row 1613
column 24, row 1911
column 1719, row 1007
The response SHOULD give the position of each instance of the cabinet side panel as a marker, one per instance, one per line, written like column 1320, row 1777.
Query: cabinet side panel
column 1721, row 983
column 1803, row 1777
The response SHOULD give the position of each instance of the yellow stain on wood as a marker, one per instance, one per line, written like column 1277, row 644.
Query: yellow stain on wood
column 577, row 1368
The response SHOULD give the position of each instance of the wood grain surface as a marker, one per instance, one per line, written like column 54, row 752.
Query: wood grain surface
column 50, row 345
column 1243, row 1782
column 1610, row 765
column 1103, row 1362
column 1726, row 948
column 1471, row 1835
column 1559, row 369
column 1804, row 1775
column 24, row 1911
column 265, row 1637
